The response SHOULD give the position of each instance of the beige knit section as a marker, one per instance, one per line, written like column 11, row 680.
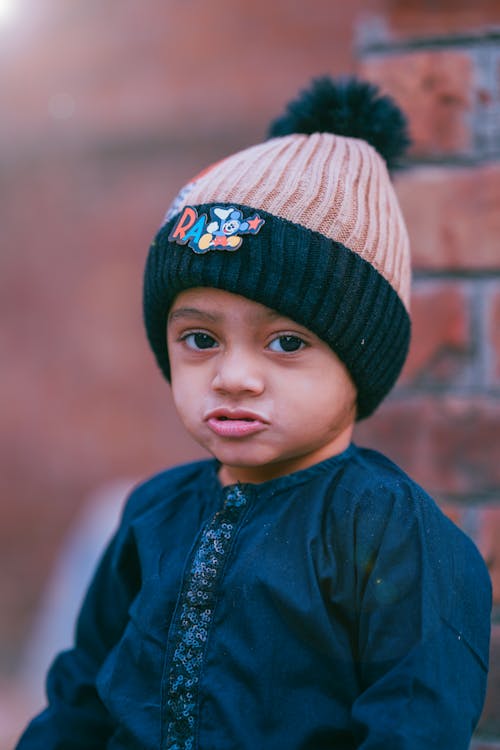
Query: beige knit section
column 330, row 184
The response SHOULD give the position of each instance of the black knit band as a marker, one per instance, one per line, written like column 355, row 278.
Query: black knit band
column 317, row 282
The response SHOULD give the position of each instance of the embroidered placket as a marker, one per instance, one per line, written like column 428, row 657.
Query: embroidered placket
column 195, row 613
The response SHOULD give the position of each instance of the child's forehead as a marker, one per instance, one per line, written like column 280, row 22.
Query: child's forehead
column 219, row 304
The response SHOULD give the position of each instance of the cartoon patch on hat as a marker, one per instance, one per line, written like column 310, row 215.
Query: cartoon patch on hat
column 222, row 232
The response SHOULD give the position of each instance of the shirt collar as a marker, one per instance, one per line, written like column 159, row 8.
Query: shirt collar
column 285, row 482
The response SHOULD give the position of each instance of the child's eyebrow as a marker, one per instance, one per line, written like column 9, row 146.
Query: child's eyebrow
column 193, row 312
column 213, row 317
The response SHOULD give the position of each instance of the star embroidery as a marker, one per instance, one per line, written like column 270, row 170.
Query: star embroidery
column 255, row 223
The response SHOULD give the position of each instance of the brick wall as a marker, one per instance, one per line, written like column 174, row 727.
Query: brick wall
column 443, row 421
column 106, row 110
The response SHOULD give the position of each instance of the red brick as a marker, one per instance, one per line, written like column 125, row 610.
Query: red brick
column 441, row 333
column 494, row 336
column 448, row 444
column 490, row 719
column 414, row 18
column 435, row 90
column 452, row 216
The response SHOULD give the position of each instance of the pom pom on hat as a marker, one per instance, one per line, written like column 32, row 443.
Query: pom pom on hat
column 347, row 107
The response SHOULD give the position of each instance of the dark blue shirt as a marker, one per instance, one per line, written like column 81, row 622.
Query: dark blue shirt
column 331, row 609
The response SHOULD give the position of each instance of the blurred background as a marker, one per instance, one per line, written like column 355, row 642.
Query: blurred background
column 106, row 109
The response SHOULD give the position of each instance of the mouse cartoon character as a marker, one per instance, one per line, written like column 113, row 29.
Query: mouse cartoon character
column 223, row 229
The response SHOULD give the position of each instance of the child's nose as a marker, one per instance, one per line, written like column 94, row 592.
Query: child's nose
column 238, row 371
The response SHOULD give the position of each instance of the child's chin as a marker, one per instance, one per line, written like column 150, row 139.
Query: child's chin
column 236, row 459
column 246, row 459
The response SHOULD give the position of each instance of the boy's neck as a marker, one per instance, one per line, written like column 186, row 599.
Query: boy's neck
column 258, row 474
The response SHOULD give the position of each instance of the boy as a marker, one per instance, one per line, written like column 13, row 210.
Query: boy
column 295, row 591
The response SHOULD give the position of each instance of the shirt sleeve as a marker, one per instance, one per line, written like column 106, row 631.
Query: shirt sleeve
column 424, row 600
column 75, row 717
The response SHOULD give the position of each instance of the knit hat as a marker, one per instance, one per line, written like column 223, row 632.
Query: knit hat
column 306, row 223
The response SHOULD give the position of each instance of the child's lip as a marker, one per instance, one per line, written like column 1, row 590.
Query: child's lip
column 235, row 427
column 236, row 414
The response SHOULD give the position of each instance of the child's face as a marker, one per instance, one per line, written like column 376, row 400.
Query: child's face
column 263, row 394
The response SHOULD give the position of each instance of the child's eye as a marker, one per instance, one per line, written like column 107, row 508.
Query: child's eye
column 199, row 341
column 286, row 344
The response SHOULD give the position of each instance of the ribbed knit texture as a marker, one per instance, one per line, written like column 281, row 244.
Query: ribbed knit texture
column 321, row 284
column 334, row 185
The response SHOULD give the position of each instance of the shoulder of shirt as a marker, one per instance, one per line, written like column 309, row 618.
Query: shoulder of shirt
column 389, row 509
column 372, row 483
column 375, row 487
column 369, row 471
column 162, row 487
